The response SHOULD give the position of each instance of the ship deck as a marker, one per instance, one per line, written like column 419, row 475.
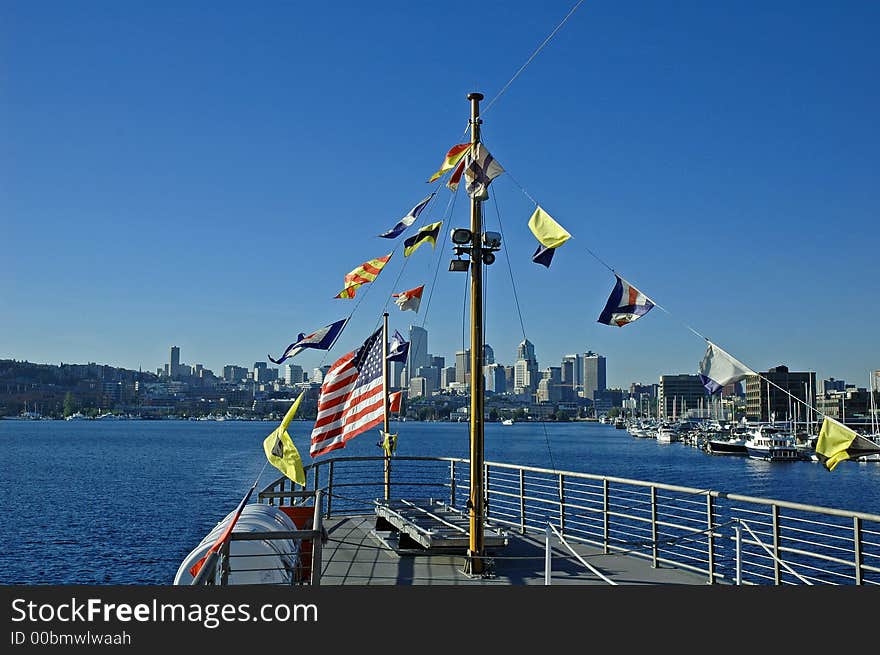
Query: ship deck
column 357, row 554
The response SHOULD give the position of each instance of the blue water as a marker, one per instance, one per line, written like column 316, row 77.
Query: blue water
column 123, row 502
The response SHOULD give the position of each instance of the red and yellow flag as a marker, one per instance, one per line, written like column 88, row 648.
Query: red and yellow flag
column 452, row 158
column 366, row 272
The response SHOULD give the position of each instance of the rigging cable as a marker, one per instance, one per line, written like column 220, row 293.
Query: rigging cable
column 521, row 323
column 533, row 55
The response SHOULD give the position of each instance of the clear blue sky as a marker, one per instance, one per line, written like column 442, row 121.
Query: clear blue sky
column 203, row 174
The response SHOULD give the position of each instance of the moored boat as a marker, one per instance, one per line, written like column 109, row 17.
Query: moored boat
column 771, row 444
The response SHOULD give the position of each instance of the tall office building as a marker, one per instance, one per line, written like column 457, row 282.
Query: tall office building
column 462, row 366
column 495, row 378
column 525, row 371
column 488, row 354
column 174, row 368
column 550, row 386
column 417, row 356
column 572, row 376
column 594, row 374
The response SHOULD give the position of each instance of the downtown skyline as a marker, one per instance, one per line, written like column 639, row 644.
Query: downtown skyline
column 205, row 180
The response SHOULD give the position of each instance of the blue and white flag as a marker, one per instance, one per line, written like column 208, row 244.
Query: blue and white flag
column 321, row 339
column 407, row 220
column 398, row 348
column 625, row 304
column 480, row 168
column 718, row 369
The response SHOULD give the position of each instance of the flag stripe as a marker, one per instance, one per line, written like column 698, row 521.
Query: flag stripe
column 352, row 397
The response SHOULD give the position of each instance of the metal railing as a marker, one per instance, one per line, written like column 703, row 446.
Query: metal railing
column 306, row 569
column 698, row 530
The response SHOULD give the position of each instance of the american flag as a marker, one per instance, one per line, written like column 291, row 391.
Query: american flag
column 352, row 398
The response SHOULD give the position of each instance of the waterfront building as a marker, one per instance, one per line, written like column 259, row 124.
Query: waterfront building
column 831, row 384
column 594, row 374
column 767, row 394
column 605, row 399
column 851, row 406
column 679, row 394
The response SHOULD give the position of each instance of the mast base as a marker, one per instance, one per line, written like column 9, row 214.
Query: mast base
column 478, row 565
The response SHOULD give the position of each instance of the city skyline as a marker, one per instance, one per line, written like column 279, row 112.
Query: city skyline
column 588, row 376
column 202, row 179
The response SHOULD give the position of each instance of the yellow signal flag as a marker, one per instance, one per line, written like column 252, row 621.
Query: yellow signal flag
column 837, row 443
column 550, row 233
column 281, row 452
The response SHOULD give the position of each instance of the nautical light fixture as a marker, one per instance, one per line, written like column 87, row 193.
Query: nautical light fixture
column 462, row 236
column 459, row 265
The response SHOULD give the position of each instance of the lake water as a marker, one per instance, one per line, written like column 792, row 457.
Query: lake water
column 123, row 502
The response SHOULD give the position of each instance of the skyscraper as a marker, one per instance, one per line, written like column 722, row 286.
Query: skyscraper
column 417, row 356
column 488, row 354
column 174, row 368
column 525, row 376
column 594, row 374
column 462, row 365
column 572, row 375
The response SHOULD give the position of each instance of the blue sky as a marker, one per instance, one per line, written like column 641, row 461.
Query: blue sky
column 204, row 174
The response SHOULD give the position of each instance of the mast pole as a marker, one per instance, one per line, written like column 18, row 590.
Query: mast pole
column 385, row 424
column 475, row 563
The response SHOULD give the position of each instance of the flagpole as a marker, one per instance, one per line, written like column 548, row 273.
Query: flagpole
column 475, row 563
column 385, row 425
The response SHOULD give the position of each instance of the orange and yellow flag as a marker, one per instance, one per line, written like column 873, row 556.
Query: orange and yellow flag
column 452, row 158
column 366, row 272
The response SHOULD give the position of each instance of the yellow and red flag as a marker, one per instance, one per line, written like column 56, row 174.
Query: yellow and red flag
column 452, row 158
column 366, row 272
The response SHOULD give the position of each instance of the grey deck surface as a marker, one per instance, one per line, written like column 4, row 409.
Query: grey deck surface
column 355, row 554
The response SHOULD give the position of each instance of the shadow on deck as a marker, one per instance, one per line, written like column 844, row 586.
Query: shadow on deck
column 357, row 554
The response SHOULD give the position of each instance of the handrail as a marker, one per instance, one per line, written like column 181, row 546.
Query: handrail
column 667, row 524
column 831, row 511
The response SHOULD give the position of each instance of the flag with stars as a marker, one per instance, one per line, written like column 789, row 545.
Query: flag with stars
column 352, row 397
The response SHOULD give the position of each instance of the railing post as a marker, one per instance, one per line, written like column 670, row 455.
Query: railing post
column 317, row 540
column 547, row 558
column 274, row 487
column 486, row 491
column 738, row 531
column 330, row 489
column 654, row 550
column 522, row 501
column 857, row 549
column 562, row 503
column 777, row 573
column 225, row 565
column 605, row 515
column 710, row 537
column 452, row 483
